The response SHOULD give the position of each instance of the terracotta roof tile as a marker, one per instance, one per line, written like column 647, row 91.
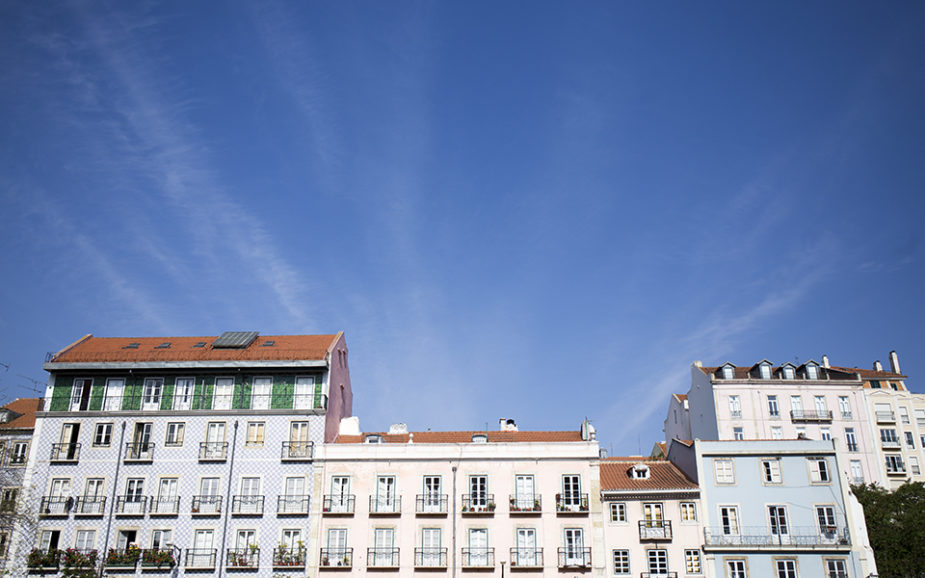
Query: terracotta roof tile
column 26, row 407
column 112, row 349
column 871, row 373
column 615, row 475
column 752, row 373
column 680, row 396
column 459, row 437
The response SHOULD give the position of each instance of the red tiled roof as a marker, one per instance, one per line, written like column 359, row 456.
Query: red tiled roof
column 112, row 349
column 747, row 372
column 460, row 437
column 27, row 408
column 680, row 396
column 871, row 373
column 615, row 475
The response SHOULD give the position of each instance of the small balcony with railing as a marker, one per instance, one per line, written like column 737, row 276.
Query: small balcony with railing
column 55, row 506
column 477, row 558
column 572, row 504
column 200, row 402
column 655, row 530
column 658, row 575
column 767, row 538
column 44, row 561
column 526, row 559
column 811, row 415
column 298, row 451
column 338, row 504
column 138, row 453
column 521, row 505
column 122, row 559
column 200, row 558
column 159, row 559
column 847, row 415
column 131, row 506
column 206, row 506
column 430, row 558
column 288, row 558
column 382, row 558
column 242, row 558
column 574, row 558
column 885, row 416
column 336, row 559
column 65, row 453
column 890, row 444
column 296, row 505
column 385, row 505
column 895, row 468
column 213, row 451
column 164, row 506
column 430, row 504
column 478, row 504
column 89, row 506
column 247, row 505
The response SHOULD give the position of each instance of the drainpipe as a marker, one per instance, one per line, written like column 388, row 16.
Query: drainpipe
column 112, row 503
column 234, row 442
column 453, row 541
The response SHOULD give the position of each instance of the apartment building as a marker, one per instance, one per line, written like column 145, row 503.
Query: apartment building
column 652, row 516
column 184, row 454
column 776, row 509
column 17, row 420
column 812, row 400
column 447, row 501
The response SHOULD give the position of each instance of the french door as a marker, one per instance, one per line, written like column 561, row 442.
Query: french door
column 260, row 393
column 526, row 547
column 304, row 392
column 224, row 391
column 151, row 396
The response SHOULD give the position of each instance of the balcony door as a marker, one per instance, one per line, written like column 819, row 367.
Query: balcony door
column 574, row 547
column 777, row 516
column 430, row 545
column 571, row 492
column 478, row 491
column 250, row 495
column 208, row 495
column 70, row 434
column 652, row 513
column 167, row 495
column 93, row 496
column 384, row 542
column 215, row 439
column 526, row 547
column 298, row 440
column 183, row 393
column 385, row 494
column 294, row 495
column 340, row 493
column 141, row 441
column 432, row 495
column 202, row 544
column 337, row 546
column 478, row 547
column 59, row 492
column 524, row 492
column 80, row 394
column 260, row 394
column 115, row 389
column 151, row 394
column 729, row 519
column 224, row 391
column 304, row 392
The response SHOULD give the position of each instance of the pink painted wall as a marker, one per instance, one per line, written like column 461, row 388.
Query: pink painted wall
column 340, row 393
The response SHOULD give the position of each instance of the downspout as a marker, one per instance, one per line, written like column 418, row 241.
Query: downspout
column 220, row 562
column 115, row 486
column 453, row 533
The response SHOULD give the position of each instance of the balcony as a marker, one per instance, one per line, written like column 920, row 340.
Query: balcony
column 65, row 453
column 298, row 451
column 658, row 575
column 382, row 558
column 291, row 558
column 200, row 558
column 166, row 506
column 891, row 444
column 575, row 558
column 429, row 558
column 430, row 504
column 885, row 417
column 385, row 505
column 90, row 506
column 55, row 506
column 526, row 559
column 292, row 505
column 478, row 558
column 206, row 506
column 895, row 469
column 242, row 558
column 159, row 559
column 810, row 415
column 139, row 453
column 571, row 504
column 198, row 402
column 338, row 505
column 847, row 415
column 44, row 562
column 526, row 505
column 247, row 505
column 336, row 558
column 478, row 504
column 213, row 451
column 654, row 530
column 762, row 537
column 122, row 560
column 131, row 505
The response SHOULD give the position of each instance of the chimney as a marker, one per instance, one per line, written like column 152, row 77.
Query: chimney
column 894, row 362
column 507, row 424
column 825, row 361
column 698, row 363
column 349, row 426
column 398, row 428
column 878, row 366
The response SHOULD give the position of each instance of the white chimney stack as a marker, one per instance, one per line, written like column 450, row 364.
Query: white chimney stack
column 894, row 362
column 507, row 424
column 825, row 361
column 878, row 366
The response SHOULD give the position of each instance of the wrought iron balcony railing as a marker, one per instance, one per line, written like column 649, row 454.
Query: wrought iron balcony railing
column 430, row 557
column 384, row 505
column 338, row 504
column 572, row 503
column 766, row 537
column 885, row 417
column 298, row 451
column 55, row 506
column 658, row 575
column 654, row 530
column 810, row 415
column 242, row 558
column 526, row 557
column 478, row 557
column 293, row 505
column 90, row 506
column 139, row 452
column 247, row 505
column 200, row 557
column 213, row 451
column 131, row 505
column 483, row 504
column 180, row 401
column 574, row 557
column 336, row 558
column 206, row 505
column 286, row 557
column 64, row 453
column 382, row 557
column 164, row 506
column 162, row 558
column 432, row 504
column 526, row 504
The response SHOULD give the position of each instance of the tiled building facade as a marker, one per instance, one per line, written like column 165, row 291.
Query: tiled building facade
column 17, row 420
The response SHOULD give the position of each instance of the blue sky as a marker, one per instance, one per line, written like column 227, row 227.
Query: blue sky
column 543, row 211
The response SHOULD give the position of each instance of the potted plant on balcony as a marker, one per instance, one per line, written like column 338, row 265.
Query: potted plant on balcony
column 158, row 558
column 127, row 557
column 514, row 506
column 43, row 558
column 491, row 507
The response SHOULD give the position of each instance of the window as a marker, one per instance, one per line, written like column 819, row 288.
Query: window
column 103, row 434
column 723, row 472
column 893, row 385
column 786, row 568
column 777, row 517
column 478, row 491
column 151, row 396
column 431, row 553
column 777, row 432
column 85, row 540
column 80, row 394
column 738, row 434
column 383, row 540
column 175, row 434
column 575, row 548
column 857, row 473
column 692, row 562
column 825, row 433
column 112, row 397
column 526, row 548
column 4, row 544
column 729, row 520
column 224, row 392
column 735, row 569
column 801, row 433
column 255, row 433
column 821, row 409
column 770, row 469
column 825, row 515
column 836, row 568
column 728, row 372
column 49, row 540
column 819, row 470
column 433, row 498
column 652, row 513
column 640, row 472
column 524, row 493
column 888, row 437
column 658, row 562
column 8, row 499
column 796, row 405
column 385, row 494
column 904, row 414
column 765, row 371
column 910, row 439
column 480, row 439
column 160, row 539
column 894, row 464
column 688, row 512
column 850, row 440
column 18, row 453
column 617, row 512
column 183, row 393
column 478, row 547
column 201, row 555
column 788, row 372
column 735, row 406
column 340, row 494
column 93, row 500
column 261, row 392
column 922, row 440
column 773, row 408
column 914, row 465
column 812, row 372
column 874, row 384
column 571, row 492
column 844, row 406
column 621, row 561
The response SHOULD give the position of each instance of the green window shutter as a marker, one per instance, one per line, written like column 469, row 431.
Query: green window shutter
column 61, row 397
column 170, row 384
column 96, row 394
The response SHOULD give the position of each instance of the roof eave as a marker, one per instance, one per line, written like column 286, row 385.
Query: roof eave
column 202, row 364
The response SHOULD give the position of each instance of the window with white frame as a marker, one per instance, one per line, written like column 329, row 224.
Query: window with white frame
column 801, row 432
column 812, row 372
column 692, row 562
column 904, row 414
column 735, row 406
column 857, row 472
column 796, row 405
column 9, row 499
column 658, row 561
column 175, row 432
column 851, row 442
column 729, row 520
column 736, row 569
column 723, row 471
column 821, row 409
column 765, row 371
column 914, row 465
column 621, row 561
column 738, row 434
column 836, row 568
column 728, row 372
column 910, row 439
column 103, row 434
column 819, row 470
column 894, row 464
column 844, row 406
column 825, row 516
column 85, row 540
column 825, row 433
column 688, row 512
column 255, row 433
column 777, row 516
column 618, row 512
column 478, row 491
column 773, row 408
column 777, row 432
column 161, row 539
column 788, row 372
column 770, row 469
column 786, row 568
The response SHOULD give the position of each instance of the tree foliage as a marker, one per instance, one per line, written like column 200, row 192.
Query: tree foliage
column 896, row 528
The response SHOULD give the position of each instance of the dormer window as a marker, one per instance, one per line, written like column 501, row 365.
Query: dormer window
column 374, row 439
column 480, row 439
column 728, row 372
column 788, row 372
column 765, row 371
column 165, row 345
column 640, row 472
column 812, row 372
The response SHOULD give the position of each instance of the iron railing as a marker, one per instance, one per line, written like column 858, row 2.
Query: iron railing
column 654, row 530
column 213, row 451
column 55, row 505
column 430, row 504
column 65, row 452
column 478, row 503
column 336, row 558
column 298, row 451
column 885, row 417
column 286, row 557
column 338, row 504
column 766, row 537
column 430, row 557
column 810, row 415
column 526, row 504
column 164, row 506
column 200, row 557
column 384, row 505
column 196, row 402
column 574, row 557
column 382, row 557
column 247, row 505
column 293, row 505
column 478, row 557
column 526, row 557
column 90, row 506
column 139, row 452
column 131, row 505
column 572, row 503
column 242, row 558
column 206, row 505
column 160, row 557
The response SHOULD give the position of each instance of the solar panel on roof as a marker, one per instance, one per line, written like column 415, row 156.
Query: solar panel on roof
column 235, row 339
